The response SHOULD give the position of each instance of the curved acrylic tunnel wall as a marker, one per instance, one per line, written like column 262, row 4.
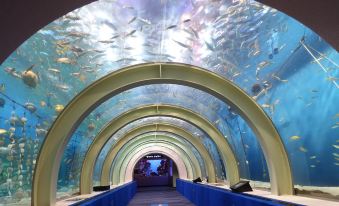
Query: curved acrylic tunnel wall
column 290, row 71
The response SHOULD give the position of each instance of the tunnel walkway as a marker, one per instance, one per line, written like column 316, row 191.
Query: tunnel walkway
column 159, row 196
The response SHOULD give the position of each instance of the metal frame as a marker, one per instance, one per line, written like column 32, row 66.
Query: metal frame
column 227, row 154
column 48, row 161
column 161, row 127
column 191, row 161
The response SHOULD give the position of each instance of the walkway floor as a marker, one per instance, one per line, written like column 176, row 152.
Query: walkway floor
column 159, row 196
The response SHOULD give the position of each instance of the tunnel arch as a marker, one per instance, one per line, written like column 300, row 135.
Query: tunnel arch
column 227, row 154
column 155, row 149
column 48, row 162
column 163, row 141
column 105, row 175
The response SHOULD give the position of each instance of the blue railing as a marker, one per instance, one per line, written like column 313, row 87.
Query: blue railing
column 205, row 195
column 119, row 196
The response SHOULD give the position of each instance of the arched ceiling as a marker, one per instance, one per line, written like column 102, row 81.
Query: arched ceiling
column 20, row 21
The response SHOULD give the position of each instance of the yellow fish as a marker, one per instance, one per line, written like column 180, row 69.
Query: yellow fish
column 336, row 163
column 336, row 146
column 295, row 137
column 336, row 115
column 336, row 158
column 3, row 131
column 302, row 149
column 335, row 154
column 313, row 157
column 58, row 108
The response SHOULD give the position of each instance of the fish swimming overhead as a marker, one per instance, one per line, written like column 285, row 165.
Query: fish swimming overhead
column 3, row 131
column 171, row 27
column 29, row 77
column 65, row 60
column 182, row 44
column 132, row 20
column 130, row 33
column 295, row 137
column 30, row 107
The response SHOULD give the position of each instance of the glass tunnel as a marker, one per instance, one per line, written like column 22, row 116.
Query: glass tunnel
column 234, row 89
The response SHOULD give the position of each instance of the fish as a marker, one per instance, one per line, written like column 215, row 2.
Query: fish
column 295, row 137
column 72, row 17
column 57, row 71
column 106, row 41
column 336, row 115
column 278, row 78
column 265, row 105
column 336, row 146
column 302, row 149
column 30, row 107
column 65, row 60
column 182, row 44
column 130, row 33
column 186, row 20
column 40, row 132
column 125, row 59
column 76, row 34
column 132, row 20
column 171, row 27
column 313, row 166
column 313, row 157
column 43, row 103
column 263, row 64
column 336, row 163
column 335, row 126
column 3, row 131
column 314, row 90
column 58, row 108
column 335, row 154
column 195, row 33
column 63, row 87
column 115, row 36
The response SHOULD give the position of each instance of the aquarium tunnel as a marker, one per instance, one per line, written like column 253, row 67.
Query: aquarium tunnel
column 128, row 95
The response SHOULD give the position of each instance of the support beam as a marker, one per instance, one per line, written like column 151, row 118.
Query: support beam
column 170, row 128
column 48, row 161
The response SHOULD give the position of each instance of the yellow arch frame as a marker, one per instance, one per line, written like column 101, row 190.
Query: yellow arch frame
column 48, row 161
column 111, row 128
column 160, row 127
